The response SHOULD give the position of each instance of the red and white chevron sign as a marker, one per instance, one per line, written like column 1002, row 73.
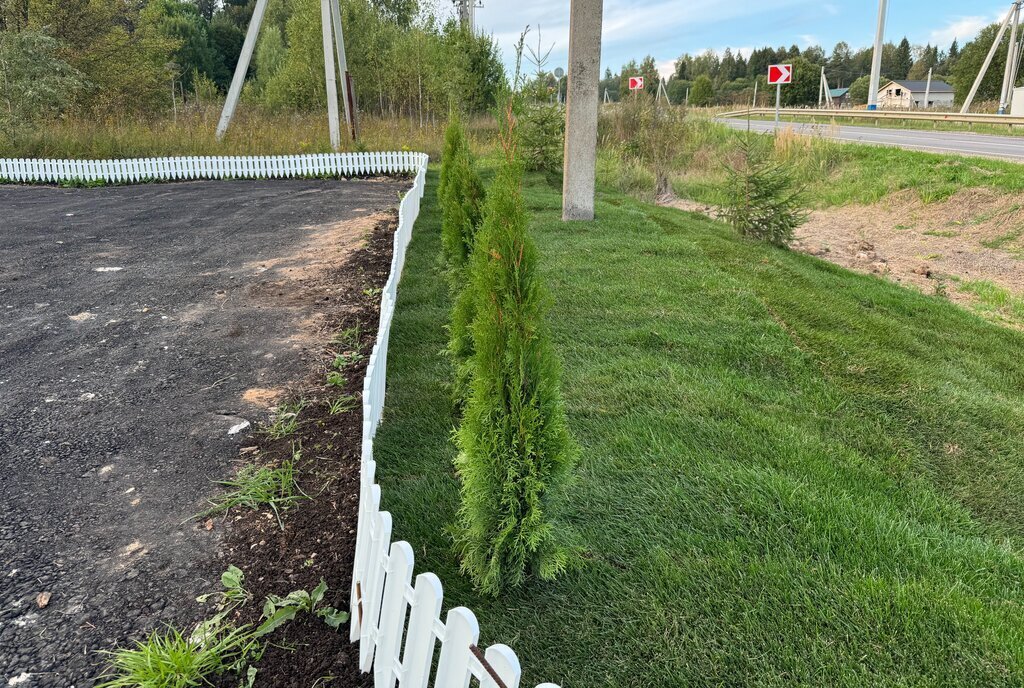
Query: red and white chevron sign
column 636, row 83
column 780, row 74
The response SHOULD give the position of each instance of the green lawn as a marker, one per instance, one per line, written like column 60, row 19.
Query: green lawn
column 790, row 474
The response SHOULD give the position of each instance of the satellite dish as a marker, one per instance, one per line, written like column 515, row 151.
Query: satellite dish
column 559, row 72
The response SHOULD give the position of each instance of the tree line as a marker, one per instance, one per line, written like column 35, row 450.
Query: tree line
column 144, row 57
column 728, row 78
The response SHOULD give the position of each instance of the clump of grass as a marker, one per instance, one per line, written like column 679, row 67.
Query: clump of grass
column 256, row 487
column 170, row 659
column 995, row 300
column 344, row 403
column 349, row 337
column 286, row 420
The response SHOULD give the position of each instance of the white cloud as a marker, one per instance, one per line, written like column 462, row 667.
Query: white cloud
column 962, row 29
column 666, row 68
column 626, row 23
column 809, row 39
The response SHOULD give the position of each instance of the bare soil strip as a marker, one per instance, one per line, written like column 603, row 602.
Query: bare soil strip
column 977, row 235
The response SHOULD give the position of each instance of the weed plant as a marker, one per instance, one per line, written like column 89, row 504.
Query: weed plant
column 256, row 487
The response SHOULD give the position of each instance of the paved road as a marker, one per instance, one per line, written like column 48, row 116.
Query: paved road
column 960, row 143
column 138, row 325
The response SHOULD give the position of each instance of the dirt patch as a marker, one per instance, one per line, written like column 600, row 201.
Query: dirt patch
column 261, row 396
column 318, row 539
column 973, row 236
column 976, row 235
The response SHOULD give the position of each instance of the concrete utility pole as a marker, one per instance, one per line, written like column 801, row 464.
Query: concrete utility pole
column 928, row 90
column 988, row 59
column 333, row 37
column 242, row 68
column 876, row 58
column 467, row 14
column 339, row 40
column 330, row 78
column 1010, row 73
column 585, row 18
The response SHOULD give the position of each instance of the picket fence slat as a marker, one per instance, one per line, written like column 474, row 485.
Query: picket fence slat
column 397, row 624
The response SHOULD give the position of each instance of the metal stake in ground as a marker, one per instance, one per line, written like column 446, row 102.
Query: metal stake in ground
column 581, row 109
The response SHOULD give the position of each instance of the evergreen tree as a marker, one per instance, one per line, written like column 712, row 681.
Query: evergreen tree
column 515, row 452
column 903, row 60
column 702, row 93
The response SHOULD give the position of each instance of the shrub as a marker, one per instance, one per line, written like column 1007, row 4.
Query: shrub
column 514, row 446
column 34, row 82
column 454, row 140
column 461, row 196
column 651, row 135
column 542, row 139
column 762, row 202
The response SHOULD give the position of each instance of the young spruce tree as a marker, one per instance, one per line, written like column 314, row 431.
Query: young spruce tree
column 515, row 451
column 763, row 201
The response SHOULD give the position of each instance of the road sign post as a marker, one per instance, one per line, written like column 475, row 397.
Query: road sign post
column 778, row 75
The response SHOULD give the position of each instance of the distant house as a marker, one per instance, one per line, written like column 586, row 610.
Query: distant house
column 840, row 97
column 909, row 95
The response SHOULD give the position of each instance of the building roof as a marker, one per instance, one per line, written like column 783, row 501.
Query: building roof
column 838, row 92
column 938, row 86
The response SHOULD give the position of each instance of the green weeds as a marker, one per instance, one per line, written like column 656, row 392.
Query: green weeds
column 216, row 648
column 286, row 420
column 341, row 404
column 171, row 659
column 256, row 487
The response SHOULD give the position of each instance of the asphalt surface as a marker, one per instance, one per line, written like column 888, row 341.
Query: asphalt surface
column 959, row 143
column 133, row 320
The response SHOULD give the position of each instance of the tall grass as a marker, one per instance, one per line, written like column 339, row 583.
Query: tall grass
column 252, row 132
column 832, row 173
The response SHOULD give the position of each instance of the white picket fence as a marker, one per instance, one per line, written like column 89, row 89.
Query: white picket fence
column 397, row 624
column 211, row 167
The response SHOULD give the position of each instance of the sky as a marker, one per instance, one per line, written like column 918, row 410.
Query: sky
column 668, row 28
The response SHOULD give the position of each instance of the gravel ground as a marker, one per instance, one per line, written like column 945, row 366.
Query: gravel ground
column 138, row 327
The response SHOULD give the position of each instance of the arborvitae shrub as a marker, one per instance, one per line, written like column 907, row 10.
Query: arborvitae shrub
column 763, row 202
column 454, row 139
column 461, row 199
column 514, row 446
column 461, row 211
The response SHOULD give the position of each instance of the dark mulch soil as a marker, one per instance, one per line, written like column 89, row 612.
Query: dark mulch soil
column 318, row 539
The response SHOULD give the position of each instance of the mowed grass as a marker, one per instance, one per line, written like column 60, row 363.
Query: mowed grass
column 790, row 474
